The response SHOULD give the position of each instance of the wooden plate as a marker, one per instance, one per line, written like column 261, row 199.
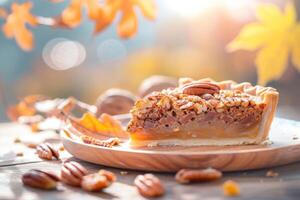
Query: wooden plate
column 283, row 149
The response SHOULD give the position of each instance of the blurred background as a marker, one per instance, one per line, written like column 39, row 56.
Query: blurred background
column 186, row 40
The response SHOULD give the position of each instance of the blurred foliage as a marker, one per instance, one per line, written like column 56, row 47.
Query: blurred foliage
column 102, row 14
column 275, row 35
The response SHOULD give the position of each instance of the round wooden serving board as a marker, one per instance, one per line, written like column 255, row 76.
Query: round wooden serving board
column 284, row 148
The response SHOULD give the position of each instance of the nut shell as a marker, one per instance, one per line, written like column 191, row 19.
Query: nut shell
column 115, row 101
column 156, row 83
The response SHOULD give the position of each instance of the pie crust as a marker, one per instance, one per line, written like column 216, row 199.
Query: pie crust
column 207, row 113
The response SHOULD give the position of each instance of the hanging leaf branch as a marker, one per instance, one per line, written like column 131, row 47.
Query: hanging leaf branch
column 275, row 36
column 102, row 14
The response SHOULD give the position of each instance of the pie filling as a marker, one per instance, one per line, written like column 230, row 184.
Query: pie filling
column 228, row 114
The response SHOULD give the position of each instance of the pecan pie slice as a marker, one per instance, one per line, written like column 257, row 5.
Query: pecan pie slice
column 204, row 112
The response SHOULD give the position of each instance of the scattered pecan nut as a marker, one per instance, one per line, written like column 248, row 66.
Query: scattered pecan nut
column 97, row 181
column 46, row 180
column 72, row 173
column 47, row 151
column 202, row 175
column 200, row 88
column 149, row 185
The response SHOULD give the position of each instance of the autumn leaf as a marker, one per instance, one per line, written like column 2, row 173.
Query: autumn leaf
column 3, row 13
column 105, row 125
column 26, row 107
column 72, row 15
column 128, row 23
column 275, row 36
column 15, row 25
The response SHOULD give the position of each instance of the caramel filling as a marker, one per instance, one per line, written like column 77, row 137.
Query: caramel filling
column 198, row 131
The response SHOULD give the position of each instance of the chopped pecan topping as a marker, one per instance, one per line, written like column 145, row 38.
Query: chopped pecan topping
column 47, row 151
column 40, row 179
column 200, row 88
column 200, row 175
column 149, row 185
column 72, row 173
column 98, row 181
column 104, row 143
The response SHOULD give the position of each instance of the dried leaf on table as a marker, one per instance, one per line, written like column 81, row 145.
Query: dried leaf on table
column 26, row 107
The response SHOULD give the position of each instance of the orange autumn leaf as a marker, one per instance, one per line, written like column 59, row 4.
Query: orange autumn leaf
column 3, row 13
column 71, row 16
column 105, row 125
column 128, row 24
column 15, row 25
column 26, row 107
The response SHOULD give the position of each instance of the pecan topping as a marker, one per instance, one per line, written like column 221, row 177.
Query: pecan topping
column 72, row 173
column 98, row 181
column 202, row 175
column 104, row 143
column 149, row 185
column 47, row 151
column 46, row 180
column 200, row 88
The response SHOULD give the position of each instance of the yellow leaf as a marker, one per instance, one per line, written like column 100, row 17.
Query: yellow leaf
column 251, row 37
column 290, row 14
column 271, row 62
column 296, row 47
column 269, row 14
column 276, row 33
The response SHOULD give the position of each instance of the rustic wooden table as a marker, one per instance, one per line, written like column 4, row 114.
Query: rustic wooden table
column 253, row 184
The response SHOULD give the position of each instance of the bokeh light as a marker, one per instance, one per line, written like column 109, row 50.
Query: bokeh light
column 63, row 54
column 111, row 50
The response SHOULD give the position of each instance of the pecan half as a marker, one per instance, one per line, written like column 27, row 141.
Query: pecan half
column 72, row 173
column 202, row 175
column 98, row 181
column 47, row 151
column 46, row 180
column 104, row 143
column 200, row 88
column 149, row 185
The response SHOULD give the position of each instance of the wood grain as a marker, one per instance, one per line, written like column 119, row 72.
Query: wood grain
column 285, row 149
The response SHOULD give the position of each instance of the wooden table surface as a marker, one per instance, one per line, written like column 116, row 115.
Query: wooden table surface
column 253, row 184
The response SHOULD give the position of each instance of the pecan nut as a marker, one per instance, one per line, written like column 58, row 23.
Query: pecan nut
column 72, row 173
column 149, row 185
column 46, row 180
column 104, row 143
column 200, row 88
column 97, row 181
column 202, row 175
column 47, row 151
